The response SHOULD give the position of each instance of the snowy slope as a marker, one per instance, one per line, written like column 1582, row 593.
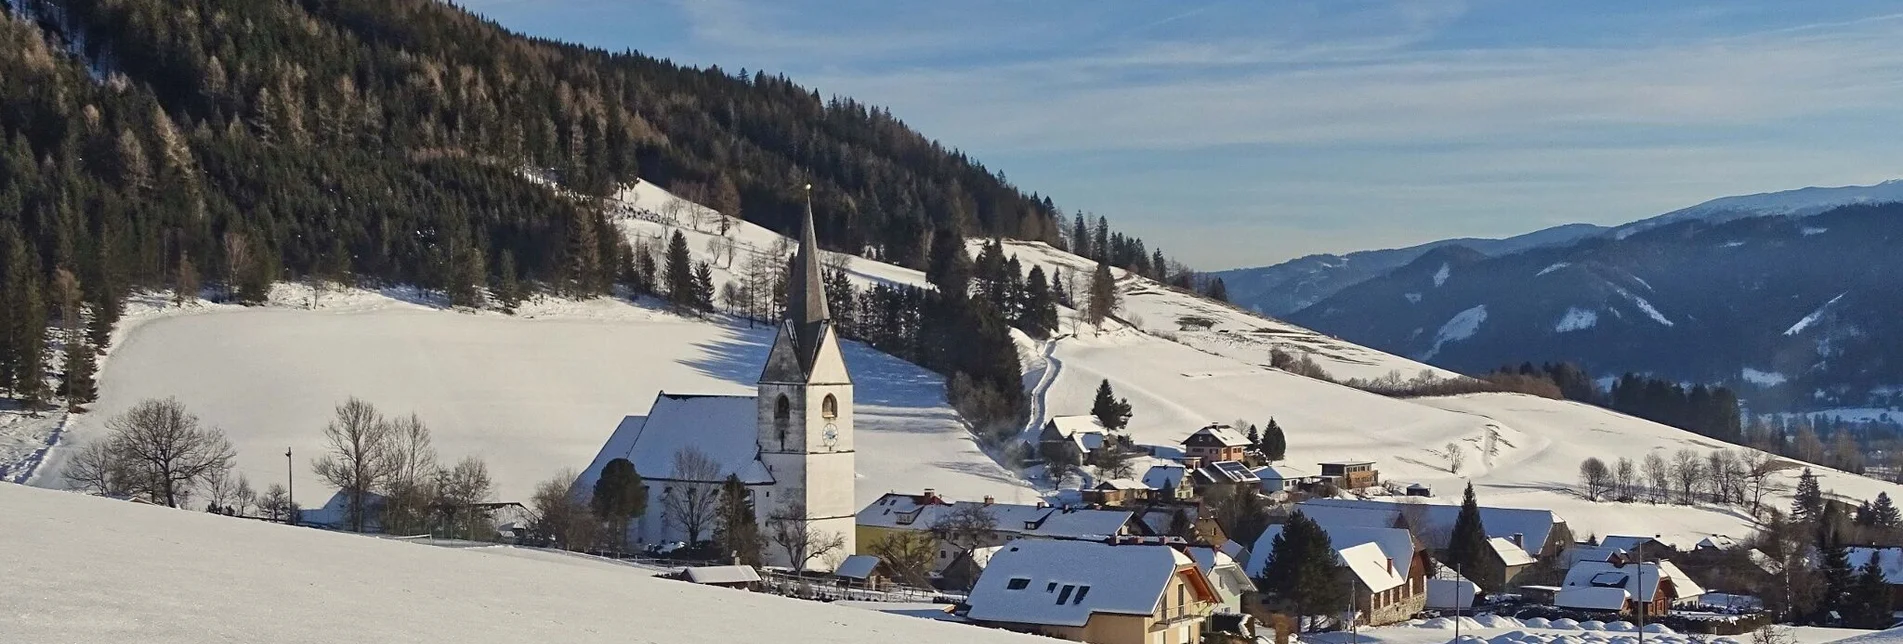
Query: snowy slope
column 85, row 569
column 1788, row 203
column 531, row 394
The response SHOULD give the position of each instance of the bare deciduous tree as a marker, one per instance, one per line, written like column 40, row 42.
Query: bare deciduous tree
column 243, row 496
column 796, row 535
column 910, row 554
column 966, row 526
column 168, row 451
column 1658, row 476
column 357, row 458
column 1686, row 470
column 689, row 500
column 1456, row 457
column 459, row 491
column 275, row 504
column 561, row 516
column 218, row 487
column 95, row 468
column 1625, row 475
column 408, row 492
column 1760, row 477
column 1595, row 478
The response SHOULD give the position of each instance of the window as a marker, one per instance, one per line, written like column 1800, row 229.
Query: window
column 1182, row 597
column 1016, row 583
column 1081, row 591
column 1065, row 596
column 782, row 409
column 829, row 407
column 1051, row 588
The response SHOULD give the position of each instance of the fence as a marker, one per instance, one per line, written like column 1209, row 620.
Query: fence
column 829, row 589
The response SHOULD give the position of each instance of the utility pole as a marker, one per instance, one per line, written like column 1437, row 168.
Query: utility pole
column 1353, row 631
column 290, row 490
column 1457, row 587
column 1640, row 554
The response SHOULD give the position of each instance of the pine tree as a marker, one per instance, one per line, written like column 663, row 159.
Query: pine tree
column 26, row 332
column 680, row 272
column 1080, row 238
column 1040, row 306
column 1255, row 435
column 1103, row 294
column 1870, row 593
column 1301, row 574
column 1217, row 290
column 1469, row 540
column 508, row 290
column 1808, row 504
column 619, row 497
column 1274, row 445
column 1834, row 567
column 1110, row 410
column 735, row 529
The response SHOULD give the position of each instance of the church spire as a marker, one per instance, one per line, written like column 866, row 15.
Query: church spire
column 806, row 301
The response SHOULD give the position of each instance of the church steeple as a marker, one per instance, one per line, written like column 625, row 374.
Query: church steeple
column 806, row 295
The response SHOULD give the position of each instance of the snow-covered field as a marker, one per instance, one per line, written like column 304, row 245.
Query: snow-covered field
column 84, row 569
column 530, row 394
column 1491, row 629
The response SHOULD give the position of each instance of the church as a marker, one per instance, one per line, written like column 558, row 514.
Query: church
column 790, row 443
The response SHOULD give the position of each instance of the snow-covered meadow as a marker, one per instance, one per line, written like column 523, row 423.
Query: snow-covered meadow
column 89, row 570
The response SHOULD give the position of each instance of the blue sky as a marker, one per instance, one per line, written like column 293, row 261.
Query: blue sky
column 1248, row 132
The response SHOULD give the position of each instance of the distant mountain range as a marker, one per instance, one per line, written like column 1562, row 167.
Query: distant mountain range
column 1791, row 297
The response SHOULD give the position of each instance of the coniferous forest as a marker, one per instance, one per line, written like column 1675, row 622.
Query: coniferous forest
column 230, row 144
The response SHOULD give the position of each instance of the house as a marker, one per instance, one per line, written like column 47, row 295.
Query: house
column 790, row 442
column 1226, row 575
column 1351, row 475
column 1169, row 483
column 1448, row 590
column 1117, row 492
column 1542, row 533
column 739, row 577
column 863, row 571
column 1624, row 587
column 1085, row 433
column 1216, row 442
column 1505, row 560
column 1282, row 478
column 1390, row 579
column 1223, row 474
column 1640, row 547
column 1419, row 489
column 1099, row 592
column 1888, row 559
column 335, row 513
column 964, row 569
column 895, row 513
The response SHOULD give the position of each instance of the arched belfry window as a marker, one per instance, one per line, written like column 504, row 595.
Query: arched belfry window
column 829, row 407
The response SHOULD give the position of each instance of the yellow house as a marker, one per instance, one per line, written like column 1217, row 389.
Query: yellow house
column 895, row 514
column 1102, row 592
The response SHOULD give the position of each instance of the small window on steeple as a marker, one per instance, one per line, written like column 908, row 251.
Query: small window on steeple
column 829, row 407
column 782, row 410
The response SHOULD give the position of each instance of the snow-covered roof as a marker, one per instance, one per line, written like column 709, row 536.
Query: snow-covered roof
column 1889, row 559
column 1283, row 472
column 1717, row 541
column 723, row 427
column 1163, row 477
column 857, row 567
column 1580, row 552
column 1592, row 598
column 1511, row 554
column 1641, row 580
column 1062, row 583
column 723, row 575
column 1451, row 593
column 1626, row 542
column 335, row 512
column 982, row 556
column 906, row 511
column 1224, row 435
column 1394, row 543
column 1371, row 566
column 1121, row 484
column 1535, row 526
column 1348, row 462
column 1226, row 472
column 1068, row 425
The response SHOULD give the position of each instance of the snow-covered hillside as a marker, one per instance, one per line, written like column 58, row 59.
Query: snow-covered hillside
column 85, row 569
column 1787, row 203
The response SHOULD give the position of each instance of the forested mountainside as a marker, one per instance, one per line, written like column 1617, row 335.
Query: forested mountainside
column 386, row 138
column 1794, row 313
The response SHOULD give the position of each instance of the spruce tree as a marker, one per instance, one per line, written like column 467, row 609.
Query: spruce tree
column 679, row 276
column 1808, row 504
column 1884, row 513
column 508, row 290
column 78, row 386
column 735, row 529
column 1274, row 445
column 1217, row 290
column 1469, row 540
column 1834, row 567
column 703, row 287
column 1040, row 306
column 26, row 342
column 1103, row 294
column 1255, row 435
column 1080, row 238
column 1302, row 575
column 1110, row 410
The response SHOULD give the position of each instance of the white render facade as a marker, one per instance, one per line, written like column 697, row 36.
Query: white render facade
column 790, row 444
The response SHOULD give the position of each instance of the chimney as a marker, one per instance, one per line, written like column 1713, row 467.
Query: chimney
column 990, row 499
column 1390, row 565
column 931, row 495
column 1519, row 539
column 1041, row 504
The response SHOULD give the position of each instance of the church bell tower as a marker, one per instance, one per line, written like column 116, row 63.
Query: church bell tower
column 805, row 412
